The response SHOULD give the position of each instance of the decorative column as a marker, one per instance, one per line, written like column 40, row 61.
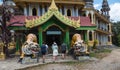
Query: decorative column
column 93, row 35
column 65, row 11
column 30, row 11
column 110, row 37
column 73, row 11
column 67, row 38
column 92, row 18
column 40, row 36
column 76, row 12
column 17, row 47
column 38, row 11
column 25, row 10
column 86, row 38
column 109, row 25
column 88, row 35
column 43, row 9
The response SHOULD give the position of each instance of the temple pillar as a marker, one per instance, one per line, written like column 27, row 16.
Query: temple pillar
column 25, row 10
column 86, row 38
column 92, row 18
column 38, row 10
column 110, row 27
column 111, row 39
column 40, row 36
column 93, row 35
column 30, row 11
column 67, row 38
column 65, row 11
column 88, row 35
column 43, row 9
column 73, row 12
column 76, row 12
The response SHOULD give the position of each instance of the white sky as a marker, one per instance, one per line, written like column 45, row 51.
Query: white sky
column 114, row 11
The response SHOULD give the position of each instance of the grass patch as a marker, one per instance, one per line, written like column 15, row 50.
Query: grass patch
column 72, row 62
column 100, row 53
column 106, row 51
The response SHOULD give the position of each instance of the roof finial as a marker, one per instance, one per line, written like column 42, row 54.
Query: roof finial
column 53, row 6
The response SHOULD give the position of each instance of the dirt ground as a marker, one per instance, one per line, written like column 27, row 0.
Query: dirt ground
column 110, row 62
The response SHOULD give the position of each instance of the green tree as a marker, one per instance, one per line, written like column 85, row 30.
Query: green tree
column 116, row 33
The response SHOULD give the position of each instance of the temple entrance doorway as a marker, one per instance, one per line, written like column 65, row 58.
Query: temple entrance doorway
column 53, row 38
column 53, row 34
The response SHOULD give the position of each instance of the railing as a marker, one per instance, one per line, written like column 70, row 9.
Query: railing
column 103, row 29
column 99, row 13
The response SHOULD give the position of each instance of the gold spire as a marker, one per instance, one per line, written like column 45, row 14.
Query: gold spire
column 53, row 6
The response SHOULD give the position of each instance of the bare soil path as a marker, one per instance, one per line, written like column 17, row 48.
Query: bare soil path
column 110, row 62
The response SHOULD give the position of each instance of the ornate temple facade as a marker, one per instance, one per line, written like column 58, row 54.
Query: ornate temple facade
column 58, row 20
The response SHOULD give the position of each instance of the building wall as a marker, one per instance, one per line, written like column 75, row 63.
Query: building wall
column 41, row 9
column 75, row 10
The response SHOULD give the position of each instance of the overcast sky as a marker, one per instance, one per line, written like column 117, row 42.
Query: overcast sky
column 114, row 6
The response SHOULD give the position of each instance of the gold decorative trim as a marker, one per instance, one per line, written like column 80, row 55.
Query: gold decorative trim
column 53, row 6
column 52, row 11
column 54, row 25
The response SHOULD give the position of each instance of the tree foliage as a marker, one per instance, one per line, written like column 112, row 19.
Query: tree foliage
column 116, row 33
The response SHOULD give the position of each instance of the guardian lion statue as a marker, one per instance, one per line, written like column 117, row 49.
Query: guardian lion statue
column 30, row 47
column 78, row 45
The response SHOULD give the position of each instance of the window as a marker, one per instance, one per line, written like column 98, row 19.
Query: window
column 63, row 10
column 34, row 12
column 45, row 8
column 68, row 12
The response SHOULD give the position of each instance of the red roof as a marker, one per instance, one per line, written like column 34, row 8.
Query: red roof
column 17, row 21
column 20, row 20
column 84, row 21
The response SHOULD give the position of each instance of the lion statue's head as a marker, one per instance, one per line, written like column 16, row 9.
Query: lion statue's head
column 76, row 37
column 32, row 37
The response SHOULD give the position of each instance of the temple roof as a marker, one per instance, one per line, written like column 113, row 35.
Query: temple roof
column 52, row 11
column 33, row 21
column 20, row 20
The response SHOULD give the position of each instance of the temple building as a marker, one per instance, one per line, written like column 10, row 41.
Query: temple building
column 59, row 20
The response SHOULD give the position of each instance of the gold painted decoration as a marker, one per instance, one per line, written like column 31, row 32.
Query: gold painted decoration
column 52, row 11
